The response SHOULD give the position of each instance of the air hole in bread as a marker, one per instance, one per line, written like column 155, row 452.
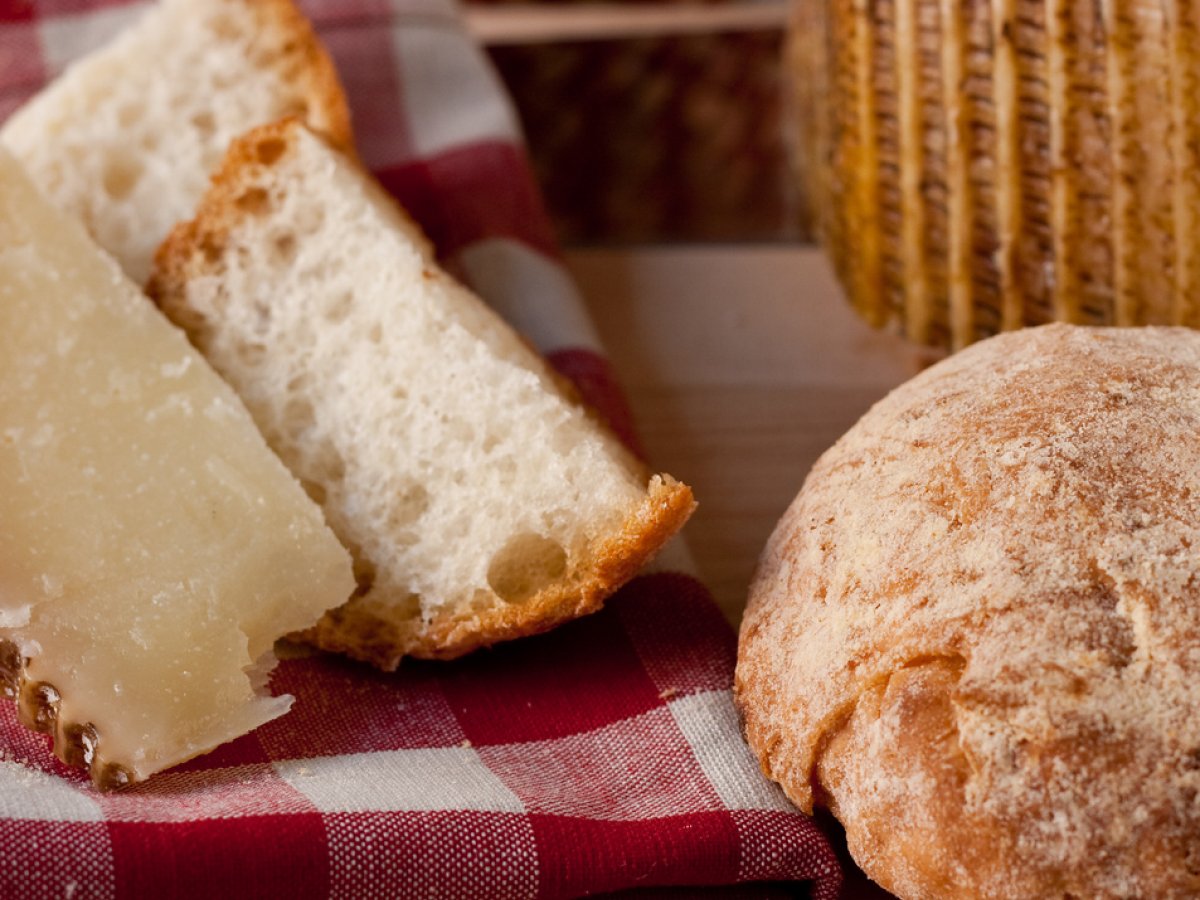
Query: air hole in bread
column 128, row 114
column 298, row 414
column 527, row 564
column 205, row 123
column 407, row 506
column 316, row 492
column 299, row 109
column 328, row 463
column 308, row 219
column 267, row 58
column 269, row 150
column 212, row 249
column 283, row 247
column 225, row 28
column 255, row 201
column 273, row 56
column 458, row 429
column 364, row 572
column 252, row 354
column 121, row 176
column 262, row 316
column 339, row 308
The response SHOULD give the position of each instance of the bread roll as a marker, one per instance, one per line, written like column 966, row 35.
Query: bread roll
column 980, row 166
column 975, row 634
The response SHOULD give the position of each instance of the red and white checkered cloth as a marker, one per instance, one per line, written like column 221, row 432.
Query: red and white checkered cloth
column 603, row 756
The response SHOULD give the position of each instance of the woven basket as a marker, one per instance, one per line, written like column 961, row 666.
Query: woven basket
column 666, row 138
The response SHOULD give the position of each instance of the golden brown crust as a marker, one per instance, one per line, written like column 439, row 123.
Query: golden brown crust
column 354, row 630
column 979, row 619
column 75, row 744
column 203, row 237
column 229, row 199
column 303, row 60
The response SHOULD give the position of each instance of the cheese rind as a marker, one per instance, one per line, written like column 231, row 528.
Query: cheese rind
column 151, row 547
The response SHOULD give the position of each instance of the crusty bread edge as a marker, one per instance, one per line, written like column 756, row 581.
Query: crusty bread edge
column 328, row 111
column 361, row 635
column 218, row 212
column 354, row 631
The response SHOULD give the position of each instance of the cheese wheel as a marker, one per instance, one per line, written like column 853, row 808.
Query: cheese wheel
column 990, row 164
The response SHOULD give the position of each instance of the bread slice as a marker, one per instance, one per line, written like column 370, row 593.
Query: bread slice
column 126, row 138
column 480, row 501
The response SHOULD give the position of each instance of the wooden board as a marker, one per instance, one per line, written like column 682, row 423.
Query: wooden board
column 742, row 365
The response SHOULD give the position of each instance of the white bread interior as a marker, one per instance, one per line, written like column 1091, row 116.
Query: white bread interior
column 126, row 137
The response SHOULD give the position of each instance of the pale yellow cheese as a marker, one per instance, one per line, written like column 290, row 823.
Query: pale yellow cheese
column 152, row 548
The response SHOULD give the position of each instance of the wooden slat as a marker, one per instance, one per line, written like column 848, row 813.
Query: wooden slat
column 958, row 177
column 1082, row 163
column 889, row 148
column 741, row 400
column 911, row 161
column 537, row 23
column 1143, row 219
column 1008, row 180
column 1185, row 103
column 982, row 133
column 931, row 37
column 855, row 245
column 1033, row 257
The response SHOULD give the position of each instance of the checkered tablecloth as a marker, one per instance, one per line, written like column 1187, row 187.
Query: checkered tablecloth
column 603, row 756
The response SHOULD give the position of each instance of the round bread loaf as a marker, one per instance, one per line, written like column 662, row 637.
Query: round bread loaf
column 975, row 634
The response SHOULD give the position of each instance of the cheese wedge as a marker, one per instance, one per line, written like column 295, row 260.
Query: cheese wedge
column 152, row 548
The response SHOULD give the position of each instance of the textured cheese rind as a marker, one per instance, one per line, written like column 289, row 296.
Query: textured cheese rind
column 151, row 547
column 975, row 635
column 1064, row 135
column 480, row 500
column 126, row 138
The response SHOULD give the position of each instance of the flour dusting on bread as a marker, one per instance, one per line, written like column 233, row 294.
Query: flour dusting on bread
column 981, row 616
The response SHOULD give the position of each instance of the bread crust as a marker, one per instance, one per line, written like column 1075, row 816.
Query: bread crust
column 355, row 629
column 973, row 635
column 360, row 634
column 181, row 255
column 305, row 61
